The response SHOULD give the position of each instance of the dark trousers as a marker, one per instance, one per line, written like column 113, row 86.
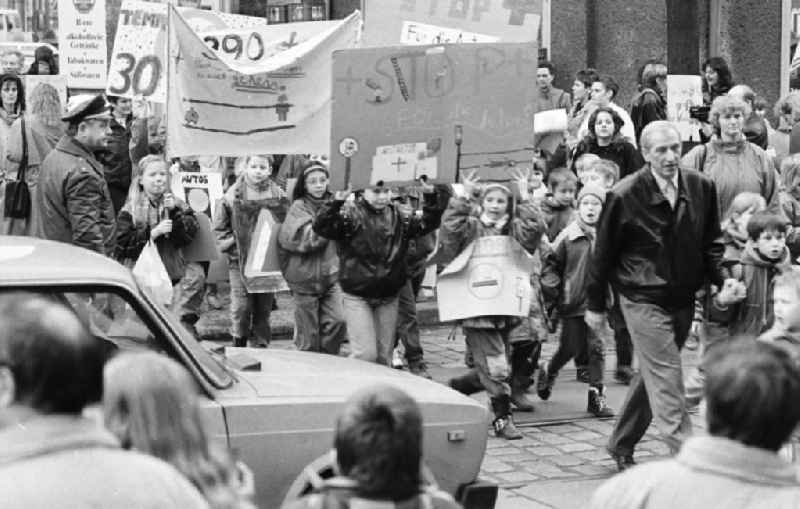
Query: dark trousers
column 577, row 336
column 657, row 392
column 407, row 324
column 622, row 336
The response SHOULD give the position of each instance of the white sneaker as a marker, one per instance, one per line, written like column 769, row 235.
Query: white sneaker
column 397, row 358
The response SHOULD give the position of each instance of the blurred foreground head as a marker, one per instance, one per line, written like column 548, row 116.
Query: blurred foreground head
column 379, row 443
column 752, row 390
column 49, row 362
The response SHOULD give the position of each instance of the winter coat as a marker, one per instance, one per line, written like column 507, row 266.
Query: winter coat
column 236, row 197
column 336, row 493
column 556, row 216
column 73, row 199
column 735, row 167
column 754, row 314
column 651, row 252
column 308, row 261
column 647, row 106
column 70, row 461
column 372, row 244
column 116, row 160
column 133, row 235
column 565, row 270
column 620, row 152
column 461, row 226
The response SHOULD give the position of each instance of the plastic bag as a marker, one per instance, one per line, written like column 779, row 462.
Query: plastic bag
column 150, row 273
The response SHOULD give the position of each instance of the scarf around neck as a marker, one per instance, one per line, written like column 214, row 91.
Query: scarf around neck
column 493, row 223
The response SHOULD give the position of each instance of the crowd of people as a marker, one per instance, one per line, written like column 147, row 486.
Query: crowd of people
column 626, row 225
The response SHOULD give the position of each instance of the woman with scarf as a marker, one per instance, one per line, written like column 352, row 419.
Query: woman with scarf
column 310, row 266
column 12, row 106
column 733, row 163
column 43, row 129
column 152, row 212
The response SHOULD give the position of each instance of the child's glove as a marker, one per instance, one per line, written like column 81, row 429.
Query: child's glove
column 732, row 291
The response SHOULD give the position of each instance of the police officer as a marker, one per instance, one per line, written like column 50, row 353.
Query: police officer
column 74, row 201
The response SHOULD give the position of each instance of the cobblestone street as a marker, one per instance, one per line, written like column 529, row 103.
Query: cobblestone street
column 561, row 459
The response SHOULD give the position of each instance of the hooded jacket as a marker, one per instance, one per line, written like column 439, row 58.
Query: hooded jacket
column 753, row 315
column 735, row 167
column 308, row 260
column 565, row 271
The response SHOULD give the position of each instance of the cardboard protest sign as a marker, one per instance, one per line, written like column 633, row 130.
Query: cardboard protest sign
column 426, row 98
column 391, row 22
column 58, row 82
column 82, row 43
column 203, row 247
column 260, row 269
column 217, row 108
column 490, row 277
column 201, row 190
column 683, row 92
column 138, row 63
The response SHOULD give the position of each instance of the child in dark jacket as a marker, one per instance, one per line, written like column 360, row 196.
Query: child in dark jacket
column 790, row 201
column 310, row 266
column 487, row 336
column 152, row 212
column 764, row 257
column 564, row 279
column 234, row 224
column 559, row 207
column 372, row 236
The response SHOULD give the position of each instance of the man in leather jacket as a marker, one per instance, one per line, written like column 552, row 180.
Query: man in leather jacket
column 658, row 241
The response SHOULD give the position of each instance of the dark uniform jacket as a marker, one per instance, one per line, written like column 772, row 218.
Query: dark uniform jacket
column 73, row 199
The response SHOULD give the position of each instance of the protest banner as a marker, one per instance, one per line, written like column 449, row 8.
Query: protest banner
column 490, row 277
column 406, row 108
column 58, row 82
column 219, row 108
column 392, row 22
column 82, row 43
column 683, row 92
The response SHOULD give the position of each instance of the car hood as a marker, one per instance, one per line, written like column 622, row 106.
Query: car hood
column 302, row 375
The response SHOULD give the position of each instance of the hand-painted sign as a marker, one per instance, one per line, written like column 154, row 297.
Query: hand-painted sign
column 422, row 97
column 82, row 43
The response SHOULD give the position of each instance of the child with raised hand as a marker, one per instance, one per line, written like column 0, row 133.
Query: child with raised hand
column 310, row 266
column 564, row 280
column 372, row 236
column 234, row 224
column 487, row 336
column 152, row 212
column 559, row 207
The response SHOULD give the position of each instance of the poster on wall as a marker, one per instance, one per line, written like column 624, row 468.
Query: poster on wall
column 426, row 99
column 683, row 92
column 392, row 22
column 82, row 43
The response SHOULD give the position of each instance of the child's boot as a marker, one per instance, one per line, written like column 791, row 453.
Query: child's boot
column 503, row 423
column 545, row 381
column 597, row 404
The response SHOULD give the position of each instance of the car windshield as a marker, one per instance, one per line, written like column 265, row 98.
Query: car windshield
column 121, row 321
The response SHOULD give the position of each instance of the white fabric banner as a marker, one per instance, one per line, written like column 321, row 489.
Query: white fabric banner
column 228, row 106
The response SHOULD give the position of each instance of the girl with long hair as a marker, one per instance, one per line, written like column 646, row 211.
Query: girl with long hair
column 150, row 403
column 605, row 141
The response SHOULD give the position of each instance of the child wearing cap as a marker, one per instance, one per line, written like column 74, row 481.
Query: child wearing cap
column 487, row 337
column 310, row 266
column 234, row 225
column 563, row 283
column 372, row 236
